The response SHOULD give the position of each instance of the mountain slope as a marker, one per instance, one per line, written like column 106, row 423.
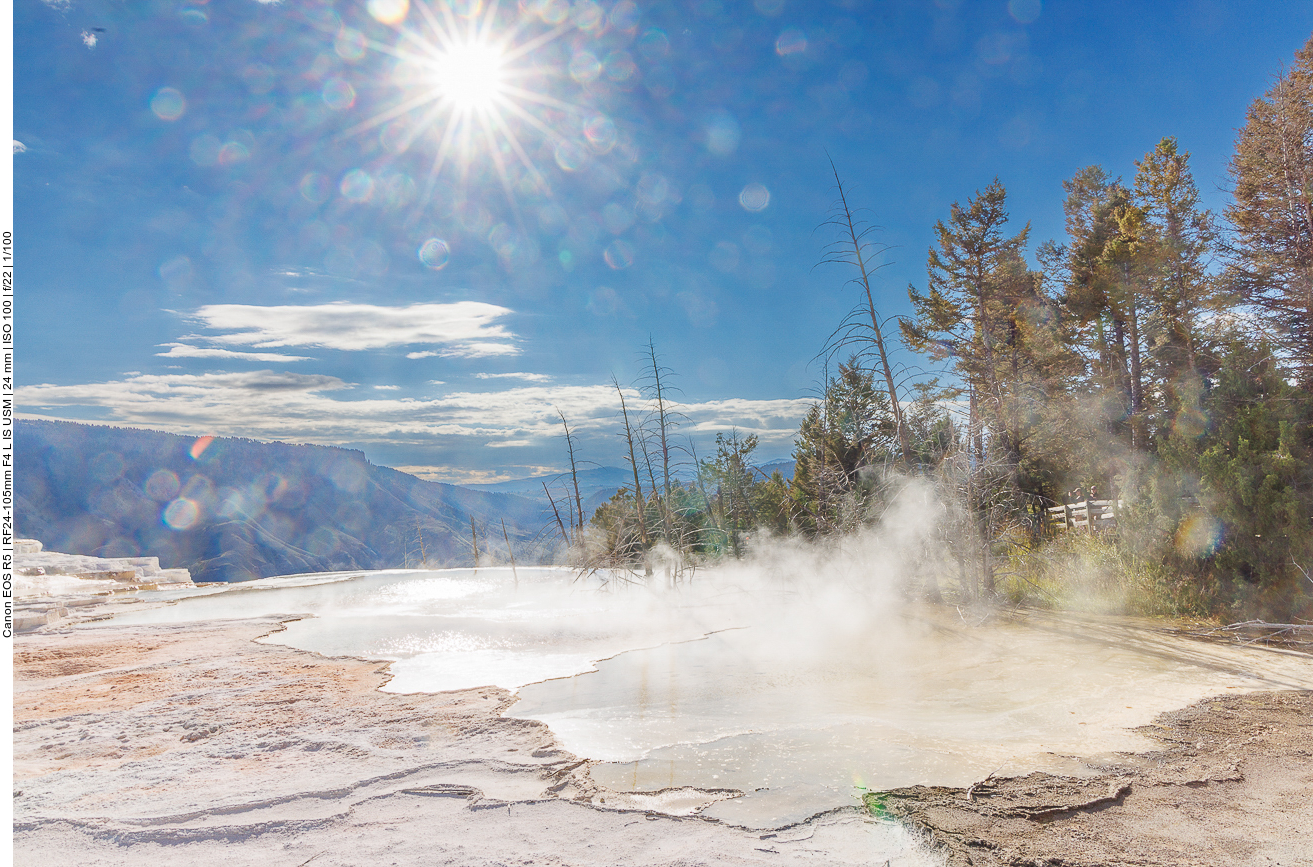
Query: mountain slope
column 234, row 509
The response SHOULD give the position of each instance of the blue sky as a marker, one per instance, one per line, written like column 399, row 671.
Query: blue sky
column 306, row 221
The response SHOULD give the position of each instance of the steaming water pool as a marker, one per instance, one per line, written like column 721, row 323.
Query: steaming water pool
column 801, row 696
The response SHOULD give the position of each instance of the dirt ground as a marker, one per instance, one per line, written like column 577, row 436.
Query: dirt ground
column 1232, row 785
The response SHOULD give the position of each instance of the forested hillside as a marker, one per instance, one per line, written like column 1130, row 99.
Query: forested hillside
column 236, row 509
column 1160, row 356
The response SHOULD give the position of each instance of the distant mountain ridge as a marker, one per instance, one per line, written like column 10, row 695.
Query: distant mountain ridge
column 596, row 484
column 233, row 509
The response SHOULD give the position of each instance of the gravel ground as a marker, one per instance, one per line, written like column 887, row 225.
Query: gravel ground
column 1232, row 785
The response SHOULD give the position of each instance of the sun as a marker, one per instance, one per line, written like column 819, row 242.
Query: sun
column 469, row 88
column 470, row 76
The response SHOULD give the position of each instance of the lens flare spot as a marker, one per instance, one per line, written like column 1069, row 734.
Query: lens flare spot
column 620, row 67
column 233, row 152
column 754, row 197
column 589, row 16
column 617, row 218
column 585, row 67
column 389, row 11
column 205, row 150
column 398, row 190
column 570, row 156
column 350, row 44
column 316, row 188
column 791, row 41
column 198, row 448
column 551, row 11
column 654, row 44
column 162, row 486
column 624, row 16
column 601, row 134
column 1198, row 535
column 168, row 103
column 177, row 272
column 181, row 514
column 725, row 257
column 435, row 254
column 723, row 133
column 466, row 8
column 338, row 94
column 1024, row 11
column 356, row 186
column 619, row 255
column 259, row 77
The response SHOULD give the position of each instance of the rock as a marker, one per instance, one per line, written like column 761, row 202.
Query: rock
column 27, row 546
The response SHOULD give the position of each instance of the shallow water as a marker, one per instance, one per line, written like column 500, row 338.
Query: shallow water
column 802, row 697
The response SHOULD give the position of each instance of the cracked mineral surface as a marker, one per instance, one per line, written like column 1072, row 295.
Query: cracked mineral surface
column 195, row 744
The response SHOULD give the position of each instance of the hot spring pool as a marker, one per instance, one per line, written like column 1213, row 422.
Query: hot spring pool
column 802, row 695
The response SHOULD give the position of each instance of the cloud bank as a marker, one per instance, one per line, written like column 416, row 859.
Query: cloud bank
column 280, row 405
column 464, row 329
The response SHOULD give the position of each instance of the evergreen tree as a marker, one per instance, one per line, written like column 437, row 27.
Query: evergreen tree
column 850, row 430
column 1256, row 471
column 961, row 315
column 1271, row 251
column 1178, row 244
column 729, row 472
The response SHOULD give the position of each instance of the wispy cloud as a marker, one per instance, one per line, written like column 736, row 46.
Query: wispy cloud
column 183, row 350
column 464, row 329
column 527, row 377
column 19, row 147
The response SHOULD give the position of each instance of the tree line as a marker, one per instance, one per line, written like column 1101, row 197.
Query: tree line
column 1159, row 355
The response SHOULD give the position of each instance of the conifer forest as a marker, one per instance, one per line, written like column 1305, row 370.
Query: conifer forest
column 1126, row 416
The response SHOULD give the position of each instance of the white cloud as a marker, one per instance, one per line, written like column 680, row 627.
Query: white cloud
column 280, row 405
column 425, row 354
column 19, row 147
column 183, row 350
column 465, row 329
column 479, row 350
column 388, row 387
column 527, row 377
column 89, row 39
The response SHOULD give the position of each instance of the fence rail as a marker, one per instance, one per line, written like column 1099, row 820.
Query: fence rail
column 1092, row 516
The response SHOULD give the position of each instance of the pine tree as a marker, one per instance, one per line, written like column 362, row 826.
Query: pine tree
column 1271, row 252
column 1178, row 245
column 850, row 430
column 959, row 315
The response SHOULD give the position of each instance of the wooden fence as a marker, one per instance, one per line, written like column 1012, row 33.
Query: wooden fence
column 1091, row 516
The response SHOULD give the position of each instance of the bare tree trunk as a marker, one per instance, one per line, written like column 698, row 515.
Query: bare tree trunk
column 559, row 523
column 633, row 463
column 511, row 553
column 1137, row 381
column 574, row 474
column 661, row 418
column 885, row 368
column 474, row 541
column 662, row 423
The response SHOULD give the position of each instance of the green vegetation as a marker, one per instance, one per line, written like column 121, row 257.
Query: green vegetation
column 1156, row 357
